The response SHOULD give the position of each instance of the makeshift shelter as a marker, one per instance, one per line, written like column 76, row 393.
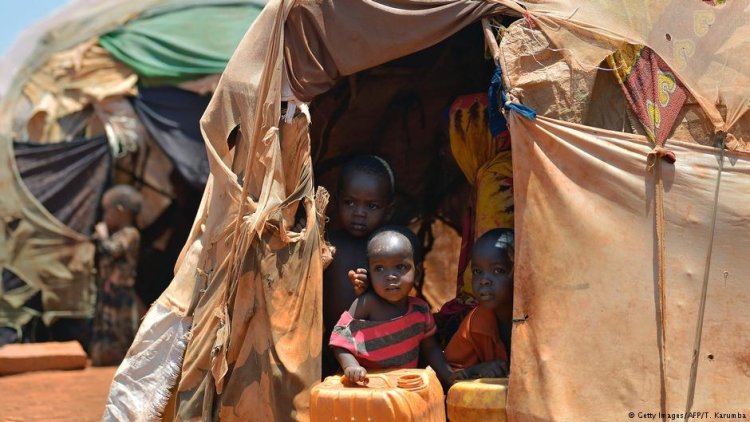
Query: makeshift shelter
column 97, row 94
column 629, row 268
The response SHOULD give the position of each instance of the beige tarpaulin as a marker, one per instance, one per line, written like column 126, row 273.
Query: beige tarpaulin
column 586, row 345
column 70, row 81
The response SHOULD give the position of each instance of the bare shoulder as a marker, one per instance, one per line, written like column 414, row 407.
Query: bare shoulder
column 363, row 305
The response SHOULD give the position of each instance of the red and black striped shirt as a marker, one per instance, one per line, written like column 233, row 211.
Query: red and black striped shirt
column 386, row 344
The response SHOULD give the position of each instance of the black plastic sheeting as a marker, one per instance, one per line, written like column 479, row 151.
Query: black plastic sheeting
column 68, row 178
column 172, row 118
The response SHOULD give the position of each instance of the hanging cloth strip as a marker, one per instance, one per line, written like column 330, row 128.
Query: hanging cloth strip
column 68, row 178
column 171, row 116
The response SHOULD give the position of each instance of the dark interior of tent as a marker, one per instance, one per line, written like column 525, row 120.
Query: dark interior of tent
column 398, row 110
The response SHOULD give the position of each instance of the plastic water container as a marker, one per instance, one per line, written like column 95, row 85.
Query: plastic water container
column 388, row 396
column 482, row 400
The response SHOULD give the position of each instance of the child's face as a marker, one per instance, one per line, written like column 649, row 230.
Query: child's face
column 363, row 203
column 392, row 267
column 492, row 276
column 114, row 217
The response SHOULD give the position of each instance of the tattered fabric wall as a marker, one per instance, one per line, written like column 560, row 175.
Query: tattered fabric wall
column 628, row 276
column 68, row 179
column 587, row 336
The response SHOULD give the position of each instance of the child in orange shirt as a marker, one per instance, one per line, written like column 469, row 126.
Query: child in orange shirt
column 481, row 346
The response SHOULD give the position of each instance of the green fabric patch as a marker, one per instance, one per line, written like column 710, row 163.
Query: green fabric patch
column 181, row 45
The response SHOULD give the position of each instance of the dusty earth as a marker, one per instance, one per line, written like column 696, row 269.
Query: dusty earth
column 77, row 395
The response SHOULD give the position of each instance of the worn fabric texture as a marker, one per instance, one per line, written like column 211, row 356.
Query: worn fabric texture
column 702, row 44
column 541, row 72
column 67, row 178
column 327, row 40
column 172, row 116
column 32, row 238
column 169, row 48
column 586, row 301
column 651, row 89
column 69, row 82
column 584, row 325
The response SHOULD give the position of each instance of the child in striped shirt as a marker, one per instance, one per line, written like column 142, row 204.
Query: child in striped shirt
column 385, row 328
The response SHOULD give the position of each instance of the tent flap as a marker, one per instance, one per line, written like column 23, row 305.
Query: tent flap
column 325, row 40
column 587, row 341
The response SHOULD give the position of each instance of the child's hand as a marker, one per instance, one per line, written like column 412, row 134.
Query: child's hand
column 458, row 376
column 359, row 280
column 100, row 231
column 494, row 369
column 355, row 373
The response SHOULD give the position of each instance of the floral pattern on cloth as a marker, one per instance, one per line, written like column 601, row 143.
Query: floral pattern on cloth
column 651, row 88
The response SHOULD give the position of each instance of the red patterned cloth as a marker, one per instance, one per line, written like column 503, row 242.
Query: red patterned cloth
column 652, row 90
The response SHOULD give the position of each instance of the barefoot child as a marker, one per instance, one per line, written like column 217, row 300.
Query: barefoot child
column 118, row 309
column 481, row 346
column 385, row 327
column 365, row 198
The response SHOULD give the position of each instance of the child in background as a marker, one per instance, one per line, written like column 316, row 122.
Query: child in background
column 118, row 309
column 365, row 194
column 481, row 346
column 385, row 327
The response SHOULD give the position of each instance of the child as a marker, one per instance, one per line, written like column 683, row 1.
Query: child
column 385, row 327
column 365, row 198
column 118, row 309
column 481, row 346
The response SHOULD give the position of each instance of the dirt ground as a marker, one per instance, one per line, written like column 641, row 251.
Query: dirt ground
column 55, row 395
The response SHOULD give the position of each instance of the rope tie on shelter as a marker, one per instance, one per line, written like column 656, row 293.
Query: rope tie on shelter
column 653, row 158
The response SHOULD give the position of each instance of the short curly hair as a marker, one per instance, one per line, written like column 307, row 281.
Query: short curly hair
column 369, row 164
column 124, row 196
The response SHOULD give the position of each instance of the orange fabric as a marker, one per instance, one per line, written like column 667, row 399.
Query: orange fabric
column 476, row 341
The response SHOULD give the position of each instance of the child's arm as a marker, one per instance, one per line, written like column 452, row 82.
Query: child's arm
column 434, row 357
column 360, row 309
column 117, row 243
column 352, row 369
column 493, row 369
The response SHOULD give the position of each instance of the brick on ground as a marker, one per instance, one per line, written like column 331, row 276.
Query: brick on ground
column 26, row 357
